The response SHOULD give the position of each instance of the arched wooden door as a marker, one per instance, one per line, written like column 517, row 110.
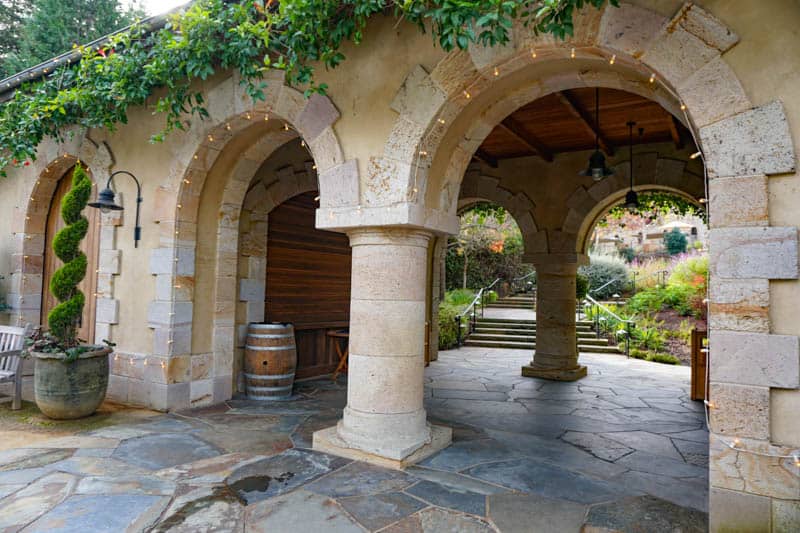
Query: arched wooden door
column 90, row 246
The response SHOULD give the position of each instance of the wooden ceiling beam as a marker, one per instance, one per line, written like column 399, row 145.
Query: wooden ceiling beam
column 483, row 157
column 574, row 107
column 515, row 129
column 674, row 132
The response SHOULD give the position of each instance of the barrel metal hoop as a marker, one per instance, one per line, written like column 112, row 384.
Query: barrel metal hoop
column 261, row 376
column 269, row 348
column 269, row 336
column 270, row 326
column 269, row 389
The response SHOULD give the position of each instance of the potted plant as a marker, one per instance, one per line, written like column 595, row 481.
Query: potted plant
column 70, row 378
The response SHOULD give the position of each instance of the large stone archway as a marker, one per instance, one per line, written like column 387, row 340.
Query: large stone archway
column 445, row 115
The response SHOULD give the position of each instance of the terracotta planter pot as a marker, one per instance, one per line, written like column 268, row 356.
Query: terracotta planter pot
column 65, row 391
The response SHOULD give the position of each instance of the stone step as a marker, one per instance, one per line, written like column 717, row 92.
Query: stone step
column 530, row 338
column 532, row 346
column 487, row 320
column 525, row 331
column 519, row 325
column 497, row 305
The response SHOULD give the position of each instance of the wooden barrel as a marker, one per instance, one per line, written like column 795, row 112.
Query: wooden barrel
column 270, row 361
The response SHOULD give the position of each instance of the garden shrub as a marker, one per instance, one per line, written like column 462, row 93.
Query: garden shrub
column 601, row 270
column 637, row 353
column 489, row 297
column 646, row 302
column 650, row 338
column 675, row 242
column 581, row 286
column 448, row 330
column 459, row 298
column 664, row 358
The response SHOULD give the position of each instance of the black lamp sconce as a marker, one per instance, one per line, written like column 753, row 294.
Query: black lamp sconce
column 105, row 203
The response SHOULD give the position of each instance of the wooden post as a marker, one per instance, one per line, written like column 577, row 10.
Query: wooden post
column 699, row 365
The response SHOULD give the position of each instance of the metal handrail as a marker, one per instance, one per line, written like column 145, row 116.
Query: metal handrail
column 471, row 310
column 604, row 285
column 526, row 276
column 629, row 324
column 662, row 274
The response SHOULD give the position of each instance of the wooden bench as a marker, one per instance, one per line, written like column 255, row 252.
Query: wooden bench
column 11, row 342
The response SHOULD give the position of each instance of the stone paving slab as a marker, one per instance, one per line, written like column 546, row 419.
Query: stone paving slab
column 527, row 455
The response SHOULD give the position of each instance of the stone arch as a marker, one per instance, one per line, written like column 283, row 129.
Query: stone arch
column 30, row 221
column 246, row 131
column 444, row 116
column 431, row 137
column 480, row 187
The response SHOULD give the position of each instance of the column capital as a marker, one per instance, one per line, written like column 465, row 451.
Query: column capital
column 389, row 236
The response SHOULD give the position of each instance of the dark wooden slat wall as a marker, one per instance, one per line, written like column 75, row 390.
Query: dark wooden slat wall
column 308, row 282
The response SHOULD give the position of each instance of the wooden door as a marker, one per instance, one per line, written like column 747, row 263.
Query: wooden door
column 308, row 282
column 89, row 246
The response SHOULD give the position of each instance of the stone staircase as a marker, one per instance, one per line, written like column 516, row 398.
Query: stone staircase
column 521, row 334
column 519, row 301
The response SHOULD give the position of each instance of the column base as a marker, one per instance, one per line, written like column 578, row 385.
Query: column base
column 328, row 441
column 554, row 374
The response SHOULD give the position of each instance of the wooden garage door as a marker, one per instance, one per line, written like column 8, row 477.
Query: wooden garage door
column 89, row 246
column 308, row 281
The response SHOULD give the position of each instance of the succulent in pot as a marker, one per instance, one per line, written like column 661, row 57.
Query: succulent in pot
column 70, row 378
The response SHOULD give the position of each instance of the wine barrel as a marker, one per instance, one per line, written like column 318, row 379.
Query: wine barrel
column 270, row 361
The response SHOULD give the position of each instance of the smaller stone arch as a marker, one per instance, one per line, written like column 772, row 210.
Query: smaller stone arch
column 480, row 187
column 30, row 221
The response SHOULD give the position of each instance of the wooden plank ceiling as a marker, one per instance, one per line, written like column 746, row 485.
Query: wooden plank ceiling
column 564, row 122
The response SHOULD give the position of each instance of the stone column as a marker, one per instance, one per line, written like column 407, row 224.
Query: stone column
column 384, row 421
column 556, row 355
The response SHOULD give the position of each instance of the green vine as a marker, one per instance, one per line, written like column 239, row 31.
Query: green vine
column 65, row 317
column 296, row 36
column 655, row 203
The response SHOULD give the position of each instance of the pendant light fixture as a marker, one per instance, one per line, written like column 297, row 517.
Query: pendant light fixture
column 631, row 198
column 597, row 161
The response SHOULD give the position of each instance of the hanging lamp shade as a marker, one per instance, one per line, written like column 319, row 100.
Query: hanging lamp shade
column 631, row 197
column 597, row 168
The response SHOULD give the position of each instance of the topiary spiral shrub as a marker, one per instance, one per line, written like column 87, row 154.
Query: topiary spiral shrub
column 65, row 317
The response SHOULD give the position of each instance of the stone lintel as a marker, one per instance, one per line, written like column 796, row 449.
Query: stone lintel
column 328, row 441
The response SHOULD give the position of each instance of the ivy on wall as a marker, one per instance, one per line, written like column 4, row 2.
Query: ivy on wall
column 295, row 36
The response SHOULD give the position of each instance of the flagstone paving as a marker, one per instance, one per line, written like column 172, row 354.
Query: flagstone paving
column 622, row 450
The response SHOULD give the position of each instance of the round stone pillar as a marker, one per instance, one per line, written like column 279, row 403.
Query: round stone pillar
column 556, row 355
column 384, row 421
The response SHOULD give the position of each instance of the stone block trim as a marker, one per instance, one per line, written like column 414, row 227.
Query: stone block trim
column 726, row 194
column 763, row 252
column 739, row 305
column 756, row 359
column 741, row 411
column 750, row 143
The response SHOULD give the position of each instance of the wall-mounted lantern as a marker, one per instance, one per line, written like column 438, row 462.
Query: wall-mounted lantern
column 105, row 203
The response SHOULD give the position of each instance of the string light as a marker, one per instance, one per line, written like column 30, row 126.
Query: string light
column 653, row 77
column 266, row 117
column 572, row 53
column 285, row 126
column 248, row 116
column 683, row 107
column 695, row 155
column 496, row 72
column 467, row 95
column 613, row 59
column 211, row 138
column 533, row 53
column 441, row 121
